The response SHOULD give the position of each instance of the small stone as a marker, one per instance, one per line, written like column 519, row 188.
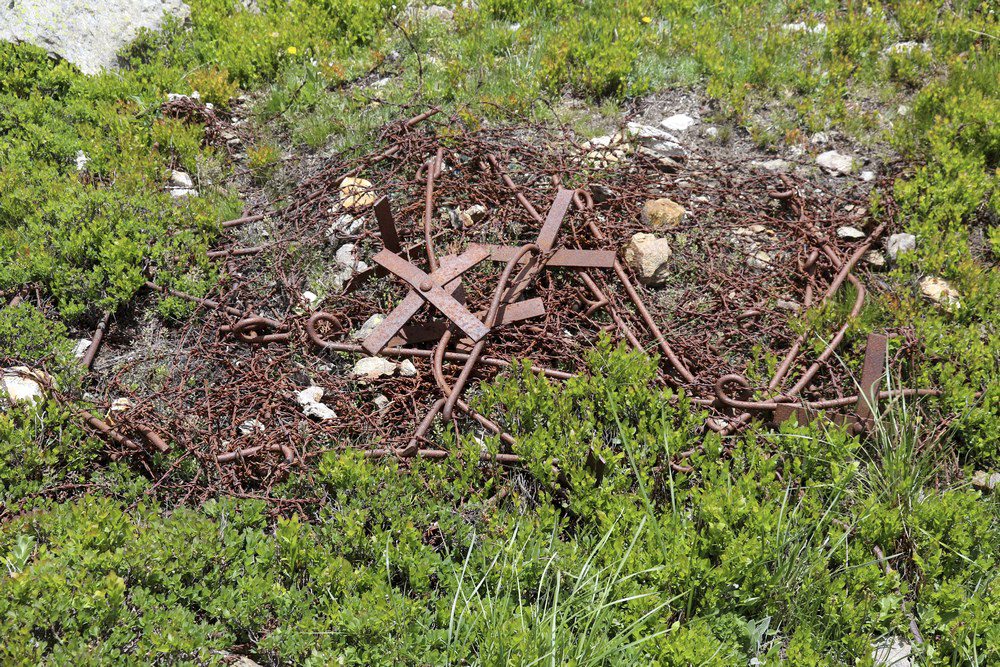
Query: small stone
column 790, row 306
column 347, row 256
column 743, row 231
column 759, row 260
column 892, row 652
column 309, row 297
column 601, row 193
column 939, row 291
column 347, row 225
column 356, row 193
column 308, row 395
column 373, row 367
column 777, row 165
column 850, row 233
column 81, row 160
column 180, row 193
column 407, row 369
column 678, row 122
column 663, row 213
column 801, row 26
column 23, row 384
column 985, row 481
column 875, row 259
column 381, row 402
column 819, row 138
column 836, row 162
column 712, row 132
column 662, row 162
column 660, row 142
column 899, row 244
column 368, row 327
column 902, row 110
column 252, row 426
column 648, row 256
column 123, row 404
column 758, row 229
column 382, row 83
column 81, row 347
column 867, row 176
column 319, row 411
column 180, row 179
column 472, row 215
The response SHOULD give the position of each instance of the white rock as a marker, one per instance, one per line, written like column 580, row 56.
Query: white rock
column 309, row 297
column 985, row 481
column 407, row 369
column 836, row 162
column 649, row 257
column 902, row 110
column 347, row 225
column 180, row 193
column 659, row 141
column 850, row 233
column 368, row 326
column 308, row 395
column 252, row 426
column 900, row 243
column 381, row 402
column 319, row 411
column 791, row 306
column 373, row 367
column 801, row 26
column 81, row 347
column 81, row 160
column 867, row 176
column 938, row 290
column 712, row 132
column 819, row 138
column 432, row 12
column 908, row 47
column 23, row 384
column 678, row 122
column 776, row 165
column 123, row 404
column 892, row 652
column 86, row 33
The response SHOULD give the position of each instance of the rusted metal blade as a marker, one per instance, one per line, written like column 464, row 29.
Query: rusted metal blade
column 426, row 288
column 553, row 221
column 386, row 225
column 871, row 376
column 515, row 312
column 597, row 259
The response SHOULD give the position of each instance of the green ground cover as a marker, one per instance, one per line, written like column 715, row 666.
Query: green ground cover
column 767, row 555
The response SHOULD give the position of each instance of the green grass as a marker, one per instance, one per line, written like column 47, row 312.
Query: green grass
column 801, row 546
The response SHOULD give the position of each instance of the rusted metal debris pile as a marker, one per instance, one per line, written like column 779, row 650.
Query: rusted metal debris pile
column 537, row 277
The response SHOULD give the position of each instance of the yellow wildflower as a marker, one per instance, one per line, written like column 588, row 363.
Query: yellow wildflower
column 292, row 50
column 646, row 19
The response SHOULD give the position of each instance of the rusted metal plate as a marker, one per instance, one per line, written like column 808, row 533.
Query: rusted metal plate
column 515, row 312
column 803, row 417
column 426, row 288
column 596, row 259
column 386, row 225
column 553, row 221
column 871, row 376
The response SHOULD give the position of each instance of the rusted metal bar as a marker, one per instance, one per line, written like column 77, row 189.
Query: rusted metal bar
column 245, row 219
column 432, row 170
column 247, row 452
column 422, row 428
column 248, row 330
column 515, row 312
column 107, row 431
column 871, row 375
column 235, row 252
column 208, row 303
column 568, row 257
column 428, row 290
column 95, row 343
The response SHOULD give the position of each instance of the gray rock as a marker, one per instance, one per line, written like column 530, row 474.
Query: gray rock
column 368, row 326
column 87, row 34
column 81, row 160
column 252, row 426
column 601, row 193
column 407, row 369
column 867, row 176
column 347, row 225
column 892, row 652
column 180, row 193
column 180, row 179
column 678, row 122
column 81, row 347
column 776, row 165
column 347, row 256
column 791, row 306
column 381, row 402
column 900, row 243
column 649, row 257
column 986, row 481
column 875, row 259
column 836, row 162
column 659, row 141
column 759, row 260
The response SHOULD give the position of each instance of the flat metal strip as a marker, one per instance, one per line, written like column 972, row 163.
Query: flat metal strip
column 386, row 225
column 426, row 288
column 553, row 221
column 420, row 333
column 871, row 376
